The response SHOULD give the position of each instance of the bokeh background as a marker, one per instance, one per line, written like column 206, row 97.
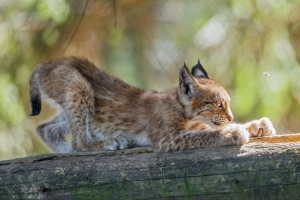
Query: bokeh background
column 251, row 47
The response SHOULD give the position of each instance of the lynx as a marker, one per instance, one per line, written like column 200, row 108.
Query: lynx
column 104, row 113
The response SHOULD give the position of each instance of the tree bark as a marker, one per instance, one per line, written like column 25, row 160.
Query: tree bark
column 252, row 171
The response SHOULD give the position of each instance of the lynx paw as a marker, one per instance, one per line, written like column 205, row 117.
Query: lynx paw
column 123, row 142
column 118, row 142
column 261, row 127
column 237, row 134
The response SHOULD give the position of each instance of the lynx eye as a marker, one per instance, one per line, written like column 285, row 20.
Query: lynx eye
column 219, row 105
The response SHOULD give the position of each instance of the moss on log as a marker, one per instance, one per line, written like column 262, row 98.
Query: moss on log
column 253, row 171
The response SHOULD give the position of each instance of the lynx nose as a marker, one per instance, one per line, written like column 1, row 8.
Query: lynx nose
column 229, row 115
column 230, row 118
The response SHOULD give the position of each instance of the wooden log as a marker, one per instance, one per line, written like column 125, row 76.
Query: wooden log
column 256, row 170
column 277, row 138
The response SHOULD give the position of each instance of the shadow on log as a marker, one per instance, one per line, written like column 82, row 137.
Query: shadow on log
column 253, row 171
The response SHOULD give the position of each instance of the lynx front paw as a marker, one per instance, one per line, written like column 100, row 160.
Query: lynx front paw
column 261, row 127
column 236, row 133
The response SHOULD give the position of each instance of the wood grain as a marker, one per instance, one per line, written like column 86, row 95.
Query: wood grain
column 277, row 138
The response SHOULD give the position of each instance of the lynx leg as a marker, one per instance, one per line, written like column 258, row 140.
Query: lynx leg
column 232, row 134
column 117, row 142
column 53, row 133
column 79, row 110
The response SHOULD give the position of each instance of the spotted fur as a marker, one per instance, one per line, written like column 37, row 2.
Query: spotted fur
column 104, row 113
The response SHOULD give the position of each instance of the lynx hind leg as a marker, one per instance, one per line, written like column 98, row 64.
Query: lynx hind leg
column 79, row 116
column 53, row 133
column 261, row 127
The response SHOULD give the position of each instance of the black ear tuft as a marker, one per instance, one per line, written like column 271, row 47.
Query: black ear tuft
column 199, row 72
column 186, row 82
column 184, row 75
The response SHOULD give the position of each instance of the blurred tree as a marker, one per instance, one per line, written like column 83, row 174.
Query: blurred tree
column 145, row 44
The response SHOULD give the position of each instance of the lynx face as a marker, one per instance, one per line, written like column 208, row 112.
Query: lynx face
column 208, row 104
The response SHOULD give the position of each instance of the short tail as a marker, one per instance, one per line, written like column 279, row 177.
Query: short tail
column 35, row 94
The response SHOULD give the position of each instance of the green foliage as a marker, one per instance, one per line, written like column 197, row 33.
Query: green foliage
column 250, row 47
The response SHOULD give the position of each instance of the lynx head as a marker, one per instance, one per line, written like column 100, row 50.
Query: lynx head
column 206, row 102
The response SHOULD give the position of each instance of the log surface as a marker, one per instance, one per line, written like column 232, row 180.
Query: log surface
column 277, row 138
column 252, row 171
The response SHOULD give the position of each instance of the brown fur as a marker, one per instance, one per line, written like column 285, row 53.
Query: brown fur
column 103, row 112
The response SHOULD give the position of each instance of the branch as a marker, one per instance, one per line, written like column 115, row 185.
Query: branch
column 77, row 26
column 252, row 171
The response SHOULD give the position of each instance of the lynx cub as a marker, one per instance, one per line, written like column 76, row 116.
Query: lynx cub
column 104, row 113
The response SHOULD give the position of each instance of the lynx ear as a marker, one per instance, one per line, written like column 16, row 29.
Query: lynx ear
column 186, row 82
column 199, row 72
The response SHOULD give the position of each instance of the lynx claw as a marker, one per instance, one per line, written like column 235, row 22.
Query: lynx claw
column 261, row 127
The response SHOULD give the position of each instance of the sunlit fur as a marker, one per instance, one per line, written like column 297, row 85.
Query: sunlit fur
column 104, row 113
